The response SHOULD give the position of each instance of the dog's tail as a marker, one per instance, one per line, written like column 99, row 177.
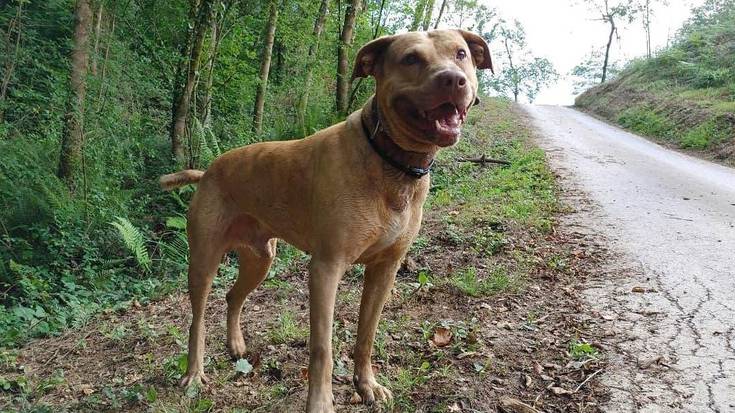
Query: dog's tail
column 181, row 178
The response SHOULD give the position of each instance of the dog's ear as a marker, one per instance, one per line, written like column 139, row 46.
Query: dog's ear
column 369, row 55
column 479, row 50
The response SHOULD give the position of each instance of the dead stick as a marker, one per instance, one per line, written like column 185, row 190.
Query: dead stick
column 587, row 379
column 483, row 160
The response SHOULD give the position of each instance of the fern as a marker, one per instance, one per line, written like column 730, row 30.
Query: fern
column 177, row 249
column 134, row 241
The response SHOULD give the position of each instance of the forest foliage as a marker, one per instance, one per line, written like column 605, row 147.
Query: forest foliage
column 683, row 94
column 100, row 97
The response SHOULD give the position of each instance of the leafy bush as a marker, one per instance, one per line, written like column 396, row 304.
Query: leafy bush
column 644, row 120
column 705, row 135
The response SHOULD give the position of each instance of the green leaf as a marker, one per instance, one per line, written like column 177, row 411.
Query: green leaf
column 423, row 278
column 176, row 222
column 243, row 366
column 151, row 395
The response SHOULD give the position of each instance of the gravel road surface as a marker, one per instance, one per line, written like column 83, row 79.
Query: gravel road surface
column 670, row 308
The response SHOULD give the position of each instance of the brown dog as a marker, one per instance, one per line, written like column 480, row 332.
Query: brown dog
column 351, row 193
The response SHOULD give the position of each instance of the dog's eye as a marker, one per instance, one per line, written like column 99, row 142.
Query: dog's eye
column 410, row 59
column 461, row 54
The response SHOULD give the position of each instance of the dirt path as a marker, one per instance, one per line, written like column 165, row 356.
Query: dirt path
column 672, row 218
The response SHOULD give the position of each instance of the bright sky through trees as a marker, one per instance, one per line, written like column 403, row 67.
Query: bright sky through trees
column 566, row 32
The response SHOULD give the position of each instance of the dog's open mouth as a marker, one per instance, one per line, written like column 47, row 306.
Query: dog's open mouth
column 442, row 124
column 445, row 121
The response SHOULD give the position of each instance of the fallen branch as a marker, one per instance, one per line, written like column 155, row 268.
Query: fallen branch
column 482, row 159
column 586, row 380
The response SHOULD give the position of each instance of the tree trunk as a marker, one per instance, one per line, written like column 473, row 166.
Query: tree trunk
column 428, row 11
column 207, row 114
column 515, row 77
column 418, row 15
column 265, row 67
column 607, row 49
column 647, row 26
column 12, row 57
column 343, row 63
column 97, row 30
column 441, row 13
column 72, row 141
column 183, row 99
column 376, row 32
column 103, row 87
column 321, row 18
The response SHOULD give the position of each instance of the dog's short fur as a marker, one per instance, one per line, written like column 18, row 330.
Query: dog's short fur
column 333, row 196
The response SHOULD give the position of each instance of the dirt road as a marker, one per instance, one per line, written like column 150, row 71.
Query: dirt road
column 670, row 299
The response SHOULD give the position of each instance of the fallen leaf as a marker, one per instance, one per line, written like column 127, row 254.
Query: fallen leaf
column 454, row 408
column 511, row 405
column 243, row 366
column 442, row 337
column 639, row 289
column 87, row 389
column 546, row 378
column 506, row 325
column 528, row 381
column 559, row 391
column 355, row 399
column 648, row 363
column 466, row 354
column 305, row 373
column 538, row 368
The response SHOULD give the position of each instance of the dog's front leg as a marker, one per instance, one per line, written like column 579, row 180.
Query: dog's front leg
column 324, row 276
column 379, row 278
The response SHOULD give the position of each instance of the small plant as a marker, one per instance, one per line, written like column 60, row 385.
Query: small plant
column 469, row 283
column 287, row 330
column 134, row 240
column 582, row 350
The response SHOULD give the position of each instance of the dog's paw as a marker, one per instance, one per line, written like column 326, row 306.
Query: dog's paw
column 194, row 378
column 323, row 403
column 370, row 391
column 236, row 347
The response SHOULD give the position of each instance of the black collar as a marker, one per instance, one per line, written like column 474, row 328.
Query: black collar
column 412, row 171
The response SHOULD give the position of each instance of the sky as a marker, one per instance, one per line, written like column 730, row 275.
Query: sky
column 564, row 31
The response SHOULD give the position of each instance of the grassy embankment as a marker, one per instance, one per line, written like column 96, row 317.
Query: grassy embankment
column 685, row 96
column 484, row 310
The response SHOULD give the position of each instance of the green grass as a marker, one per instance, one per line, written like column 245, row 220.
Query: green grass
column 287, row 330
column 522, row 192
column 646, row 121
column 469, row 282
column 706, row 135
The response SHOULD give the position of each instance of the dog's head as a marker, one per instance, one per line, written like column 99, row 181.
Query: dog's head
column 425, row 83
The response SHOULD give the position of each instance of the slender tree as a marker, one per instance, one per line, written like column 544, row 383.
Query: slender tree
column 645, row 7
column 182, row 101
column 441, row 14
column 72, row 141
column 428, row 11
column 11, row 55
column 321, row 18
column 525, row 74
column 343, row 63
column 97, row 31
column 612, row 12
column 418, row 15
column 265, row 67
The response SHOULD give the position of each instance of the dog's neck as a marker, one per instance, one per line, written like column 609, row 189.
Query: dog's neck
column 414, row 164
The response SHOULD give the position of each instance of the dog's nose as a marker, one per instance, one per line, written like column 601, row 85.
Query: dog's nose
column 451, row 80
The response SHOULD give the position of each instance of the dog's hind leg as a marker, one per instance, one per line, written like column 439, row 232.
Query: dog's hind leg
column 205, row 256
column 254, row 265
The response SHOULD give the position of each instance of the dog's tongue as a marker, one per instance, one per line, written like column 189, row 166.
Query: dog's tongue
column 445, row 114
